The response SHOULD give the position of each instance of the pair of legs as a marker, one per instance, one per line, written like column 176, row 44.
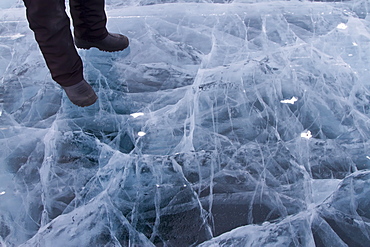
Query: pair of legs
column 51, row 25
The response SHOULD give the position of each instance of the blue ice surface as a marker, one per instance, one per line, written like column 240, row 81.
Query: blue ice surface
column 236, row 123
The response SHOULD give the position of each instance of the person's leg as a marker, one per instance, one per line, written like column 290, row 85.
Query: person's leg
column 89, row 21
column 51, row 26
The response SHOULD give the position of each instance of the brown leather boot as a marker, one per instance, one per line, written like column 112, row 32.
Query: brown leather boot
column 113, row 42
column 81, row 94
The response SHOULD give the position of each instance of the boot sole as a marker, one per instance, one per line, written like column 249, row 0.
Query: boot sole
column 85, row 46
column 100, row 49
column 90, row 101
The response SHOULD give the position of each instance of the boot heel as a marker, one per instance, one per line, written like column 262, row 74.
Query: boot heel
column 82, row 45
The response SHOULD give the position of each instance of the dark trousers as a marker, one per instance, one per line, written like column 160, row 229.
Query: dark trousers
column 51, row 25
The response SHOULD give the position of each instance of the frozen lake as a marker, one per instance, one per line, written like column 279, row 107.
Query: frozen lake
column 244, row 123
